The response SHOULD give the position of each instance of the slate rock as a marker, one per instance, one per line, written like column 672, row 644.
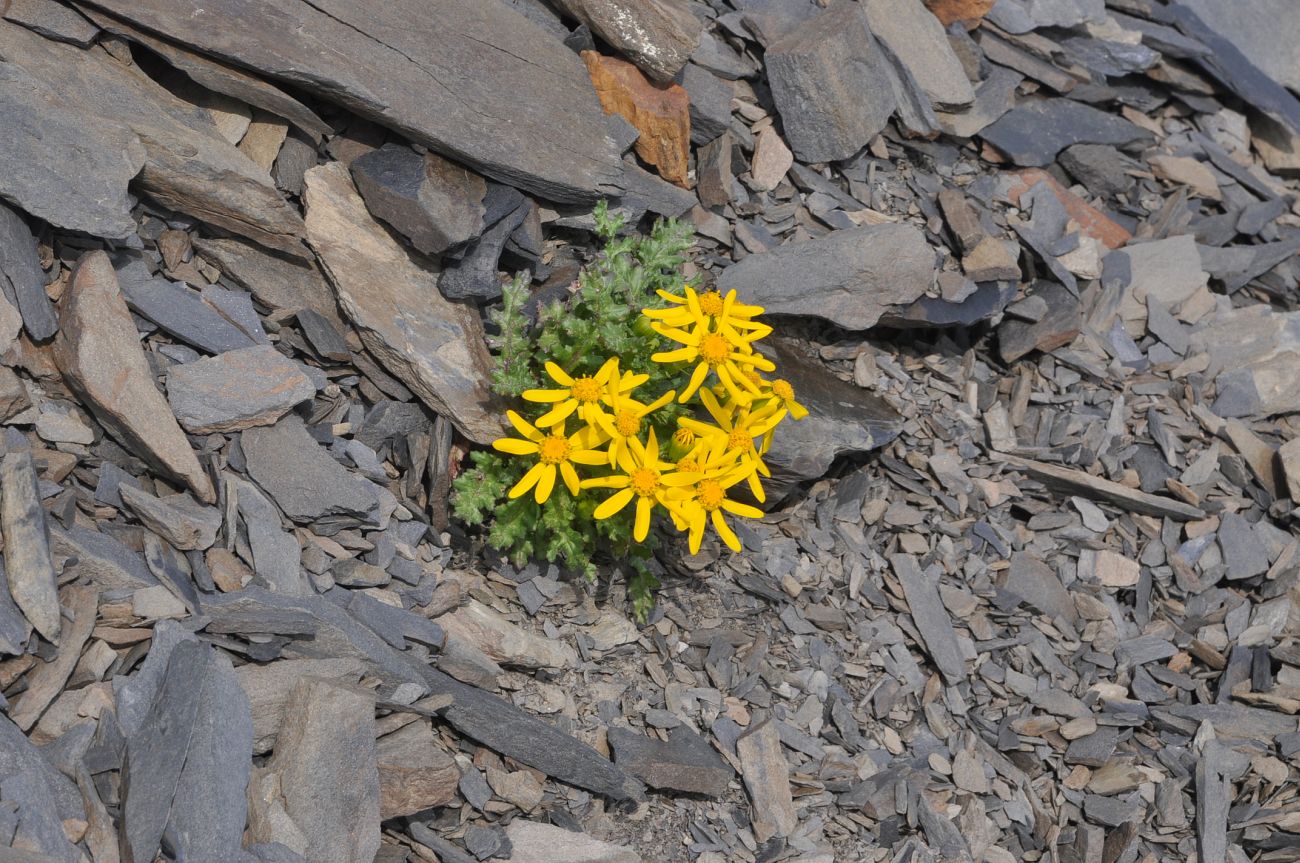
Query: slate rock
column 177, row 309
column 14, row 628
column 319, row 793
column 21, row 277
column 452, row 81
column 236, row 390
column 767, row 779
column 713, row 172
column 433, row 346
column 52, row 20
column 267, row 688
column 414, row 773
column 710, row 98
column 219, row 77
column 1266, row 31
column 434, row 203
column 1057, row 328
column 1245, row 553
column 830, row 84
column 1101, row 168
column 849, row 277
column 189, row 167
column 61, row 164
column 179, row 519
column 1033, row 134
column 841, row 419
column 287, row 462
column 38, row 828
column 100, row 558
column 657, row 35
column 534, row 842
column 98, row 352
column 1034, row 582
column 277, row 282
column 917, row 38
column 685, row 762
column 994, row 97
column 475, row 275
column 29, row 566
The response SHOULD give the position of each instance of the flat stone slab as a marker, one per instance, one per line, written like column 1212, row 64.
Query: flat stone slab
column 849, row 277
column 434, row 346
column 434, row 203
column 1031, row 135
column 685, row 762
column 453, row 81
column 236, row 390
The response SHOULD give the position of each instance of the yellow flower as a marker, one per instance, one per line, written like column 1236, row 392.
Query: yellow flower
column 624, row 423
column 737, row 428
column 706, row 500
column 711, row 311
column 555, row 453
column 726, row 357
column 583, row 394
column 644, row 477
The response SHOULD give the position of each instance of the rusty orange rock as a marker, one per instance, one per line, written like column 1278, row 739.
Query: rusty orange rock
column 1092, row 221
column 968, row 12
column 660, row 112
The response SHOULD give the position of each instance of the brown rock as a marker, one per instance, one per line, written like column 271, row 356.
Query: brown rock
column 1186, row 171
column 767, row 779
column 228, row 571
column 968, row 12
column 660, row 112
column 1092, row 221
column 772, row 158
column 98, row 351
column 713, row 171
column 414, row 774
column 1289, row 456
column 13, row 395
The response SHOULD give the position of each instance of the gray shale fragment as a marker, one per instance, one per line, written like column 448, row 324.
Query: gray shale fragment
column 29, row 565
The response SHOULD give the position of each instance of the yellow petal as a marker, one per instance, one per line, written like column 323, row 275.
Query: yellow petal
column 656, row 404
column 570, row 478
column 697, row 378
column 514, row 446
column 642, row 526
column 615, row 503
column 587, row 457
column 523, row 426
column 617, row 481
column 545, row 483
column 742, row 509
column 698, row 520
column 557, row 414
column 559, row 374
column 527, row 481
column 609, row 367
column 797, row 411
column 680, row 355
column 545, row 395
column 724, row 530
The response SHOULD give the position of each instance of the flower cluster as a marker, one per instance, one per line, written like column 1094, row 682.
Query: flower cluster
column 596, row 434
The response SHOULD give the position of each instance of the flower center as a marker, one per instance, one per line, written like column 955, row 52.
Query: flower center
column 753, row 376
column 714, row 349
column 684, row 437
column 712, row 494
column 553, row 449
column 738, row 439
column 711, row 303
column 586, row 389
column 688, row 465
column 644, row 481
column 782, row 390
column 627, row 423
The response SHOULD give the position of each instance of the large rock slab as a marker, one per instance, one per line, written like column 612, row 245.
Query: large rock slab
column 319, row 793
column 277, row 557
column 657, row 35
column 434, row 203
column 178, row 518
column 188, row 760
column 916, row 37
column 28, row 563
column 307, row 483
column 434, row 346
column 60, row 164
column 848, row 277
column 236, row 390
column 98, row 352
column 1031, row 135
column 188, row 166
column 831, row 84
column 472, row 79
column 414, row 773
column 685, row 762
column 1266, row 31
column 268, row 687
